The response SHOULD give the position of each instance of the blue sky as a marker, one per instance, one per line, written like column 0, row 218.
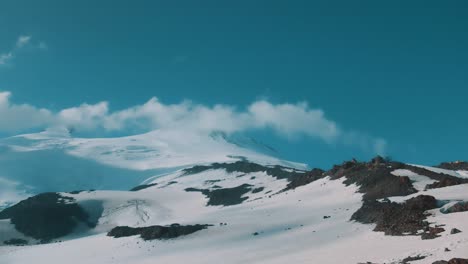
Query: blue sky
column 392, row 71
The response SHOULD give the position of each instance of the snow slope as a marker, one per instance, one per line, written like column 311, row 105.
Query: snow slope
column 291, row 226
column 309, row 224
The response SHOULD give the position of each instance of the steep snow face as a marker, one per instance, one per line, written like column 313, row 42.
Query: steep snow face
column 55, row 161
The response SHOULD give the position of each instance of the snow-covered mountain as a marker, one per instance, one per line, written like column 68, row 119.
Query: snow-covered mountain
column 206, row 199
column 53, row 160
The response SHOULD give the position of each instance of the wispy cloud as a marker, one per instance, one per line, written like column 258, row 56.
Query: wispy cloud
column 22, row 42
column 5, row 57
column 287, row 120
column 42, row 45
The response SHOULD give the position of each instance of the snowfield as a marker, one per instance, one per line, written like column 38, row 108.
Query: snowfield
column 309, row 224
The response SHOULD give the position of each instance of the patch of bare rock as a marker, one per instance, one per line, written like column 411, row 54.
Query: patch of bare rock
column 156, row 231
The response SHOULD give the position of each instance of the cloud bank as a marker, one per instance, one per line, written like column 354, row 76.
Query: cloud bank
column 287, row 120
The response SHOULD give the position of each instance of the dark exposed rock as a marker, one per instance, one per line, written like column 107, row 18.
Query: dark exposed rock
column 15, row 242
column 376, row 181
column 452, row 261
column 191, row 189
column 397, row 219
column 326, row 216
column 46, row 216
column 456, row 165
column 76, row 192
column 80, row 191
column 456, row 208
column 211, row 181
column 257, row 190
column 305, row 179
column 455, row 231
column 432, row 232
column 443, row 180
column 412, row 258
column 156, row 231
column 374, row 178
column 143, row 186
column 458, row 261
column 170, row 183
column 244, row 166
column 226, row 196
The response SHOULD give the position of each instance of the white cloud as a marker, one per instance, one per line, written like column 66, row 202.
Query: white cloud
column 18, row 117
column 293, row 119
column 287, row 120
column 85, row 116
column 22, row 40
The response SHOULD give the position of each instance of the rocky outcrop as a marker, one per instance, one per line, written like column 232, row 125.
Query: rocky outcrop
column 407, row 260
column 456, row 165
column 46, row 216
column 156, row 231
column 374, row 178
column 257, row 190
column 446, row 182
column 142, row 187
column 224, row 196
column 442, row 179
column 305, row 179
column 432, row 232
column 456, row 208
column 15, row 242
column 452, row 261
column 244, row 166
column 399, row 219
